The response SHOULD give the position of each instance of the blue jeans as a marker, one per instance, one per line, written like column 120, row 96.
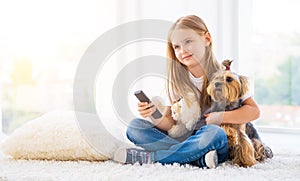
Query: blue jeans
column 167, row 150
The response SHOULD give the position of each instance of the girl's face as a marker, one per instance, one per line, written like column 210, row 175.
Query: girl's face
column 189, row 47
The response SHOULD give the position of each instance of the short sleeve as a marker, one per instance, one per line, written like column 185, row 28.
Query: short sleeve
column 246, row 96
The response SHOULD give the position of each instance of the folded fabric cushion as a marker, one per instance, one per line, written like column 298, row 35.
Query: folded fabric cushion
column 58, row 136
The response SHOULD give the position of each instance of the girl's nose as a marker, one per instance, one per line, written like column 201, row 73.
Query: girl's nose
column 183, row 49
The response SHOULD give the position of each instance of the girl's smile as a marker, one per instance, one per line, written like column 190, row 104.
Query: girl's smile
column 185, row 57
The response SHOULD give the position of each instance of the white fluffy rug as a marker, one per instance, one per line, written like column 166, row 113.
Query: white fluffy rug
column 284, row 166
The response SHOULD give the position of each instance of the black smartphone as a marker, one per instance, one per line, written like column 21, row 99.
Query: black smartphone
column 143, row 98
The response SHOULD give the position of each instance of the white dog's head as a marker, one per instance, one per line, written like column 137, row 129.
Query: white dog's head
column 182, row 112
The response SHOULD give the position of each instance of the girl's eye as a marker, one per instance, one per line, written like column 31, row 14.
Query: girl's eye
column 176, row 47
column 188, row 41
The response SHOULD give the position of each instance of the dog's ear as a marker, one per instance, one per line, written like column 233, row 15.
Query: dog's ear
column 244, row 85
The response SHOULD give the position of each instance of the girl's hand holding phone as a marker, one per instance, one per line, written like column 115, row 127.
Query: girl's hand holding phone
column 146, row 109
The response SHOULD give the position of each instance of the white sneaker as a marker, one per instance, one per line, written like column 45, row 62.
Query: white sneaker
column 211, row 159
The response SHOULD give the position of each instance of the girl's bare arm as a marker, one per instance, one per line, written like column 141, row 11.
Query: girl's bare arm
column 164, row 123
column 248, row 112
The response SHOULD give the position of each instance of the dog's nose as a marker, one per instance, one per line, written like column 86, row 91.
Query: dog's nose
column 217, row 84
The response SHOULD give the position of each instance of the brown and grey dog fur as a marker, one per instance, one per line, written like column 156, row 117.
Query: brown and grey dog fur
column 262, row 151
column 226, row 90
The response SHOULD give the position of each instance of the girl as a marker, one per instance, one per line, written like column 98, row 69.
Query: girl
column 191, row 65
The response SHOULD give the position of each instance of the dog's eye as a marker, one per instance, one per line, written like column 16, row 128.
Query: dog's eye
column 229, row 79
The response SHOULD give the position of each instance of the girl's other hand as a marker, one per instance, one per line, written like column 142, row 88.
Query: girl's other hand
column 146, row 109
column 215, row 118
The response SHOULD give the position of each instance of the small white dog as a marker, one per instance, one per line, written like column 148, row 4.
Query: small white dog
column 186, row 116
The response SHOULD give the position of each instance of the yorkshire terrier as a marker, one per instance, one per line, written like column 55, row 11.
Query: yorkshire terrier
column 226, row 90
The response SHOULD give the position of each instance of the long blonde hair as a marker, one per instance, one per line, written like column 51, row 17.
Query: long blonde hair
column 179, row 83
